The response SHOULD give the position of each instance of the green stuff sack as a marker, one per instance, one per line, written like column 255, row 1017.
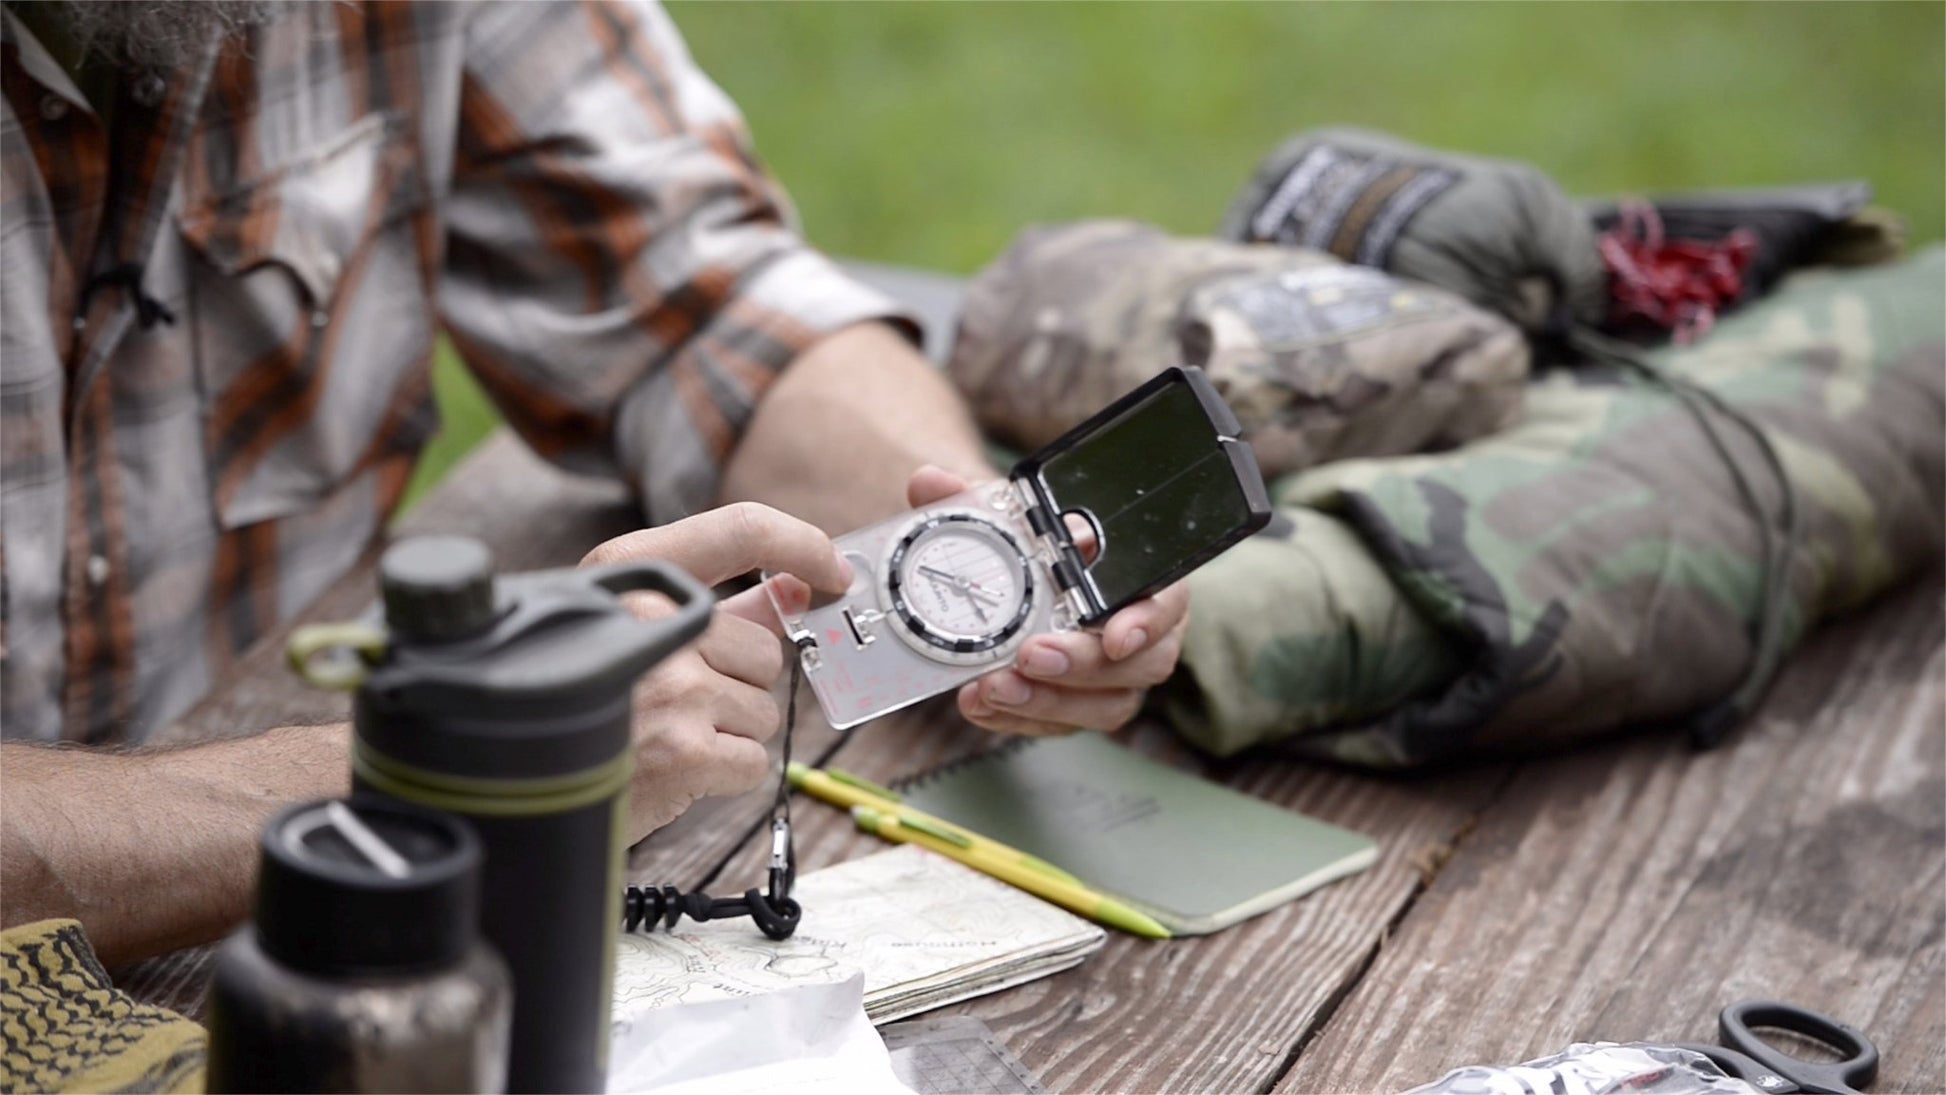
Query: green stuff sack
column 1320, row 360
column 1499, row 233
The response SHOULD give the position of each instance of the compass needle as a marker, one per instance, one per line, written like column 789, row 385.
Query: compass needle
column 962, row 584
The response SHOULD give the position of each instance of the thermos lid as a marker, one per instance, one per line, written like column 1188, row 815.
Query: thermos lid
column 437, row 588
column 367, row 886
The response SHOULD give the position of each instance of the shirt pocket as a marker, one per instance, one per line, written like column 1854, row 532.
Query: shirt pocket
column 311, row 293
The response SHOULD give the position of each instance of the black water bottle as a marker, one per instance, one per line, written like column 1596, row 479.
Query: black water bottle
column 508, row 703
column 363, row 968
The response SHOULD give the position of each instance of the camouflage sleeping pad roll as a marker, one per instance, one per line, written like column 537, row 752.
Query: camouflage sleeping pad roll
column 1298, row 630
column 1320, row 360
column 1499, row 233
column 1593, row 566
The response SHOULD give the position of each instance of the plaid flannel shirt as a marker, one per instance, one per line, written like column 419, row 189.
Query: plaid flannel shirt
column 218, row 318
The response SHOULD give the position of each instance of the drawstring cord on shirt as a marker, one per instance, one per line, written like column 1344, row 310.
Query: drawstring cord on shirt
column 148, row 310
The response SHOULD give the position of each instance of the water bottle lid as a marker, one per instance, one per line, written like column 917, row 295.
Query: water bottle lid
column 437, row 588
column 367, row 886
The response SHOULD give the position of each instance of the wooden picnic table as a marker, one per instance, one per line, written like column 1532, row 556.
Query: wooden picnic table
column 1625, row 891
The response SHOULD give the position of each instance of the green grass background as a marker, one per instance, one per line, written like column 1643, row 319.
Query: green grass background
column 929, row 133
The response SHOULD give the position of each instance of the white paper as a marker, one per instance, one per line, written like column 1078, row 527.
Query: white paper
column 717, row 1007
column 811, row 1037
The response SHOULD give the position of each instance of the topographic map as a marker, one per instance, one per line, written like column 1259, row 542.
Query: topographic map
column 924, row 931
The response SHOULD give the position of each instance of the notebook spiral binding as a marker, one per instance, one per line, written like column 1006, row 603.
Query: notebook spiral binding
column 1012, row 744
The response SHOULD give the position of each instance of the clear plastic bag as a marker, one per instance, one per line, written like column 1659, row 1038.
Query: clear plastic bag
column 1596, row 1068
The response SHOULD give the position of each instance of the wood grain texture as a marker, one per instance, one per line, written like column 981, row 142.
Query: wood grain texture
column 1216, row 1013
column 1629, row 891
column 1625, row 891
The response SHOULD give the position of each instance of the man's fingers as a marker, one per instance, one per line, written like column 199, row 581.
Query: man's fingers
column 755, row 606
column 1009, row 693
column 1082, row 532
column 738, row 764
column 1026, row 728
column 1078, row 660
column 735, row 539
column 745, row 712
column 930, row 483
column 648, row 606
column 1136, row 627
column 741, row 650
column 1002, row 723
column 741, row 641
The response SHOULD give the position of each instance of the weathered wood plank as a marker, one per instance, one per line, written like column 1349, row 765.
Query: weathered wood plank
column 1219, row 1013
column 1630, row 891
column 1702, row 893
column 1626, row 891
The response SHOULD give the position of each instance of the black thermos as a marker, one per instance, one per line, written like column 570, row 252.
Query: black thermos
column 508, row 704
column 363, row 969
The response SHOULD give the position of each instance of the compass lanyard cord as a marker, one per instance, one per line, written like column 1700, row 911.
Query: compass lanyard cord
column 775, row 912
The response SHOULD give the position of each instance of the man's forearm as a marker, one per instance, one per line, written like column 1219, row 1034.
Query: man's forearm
column 839, row 433
column 152, row 851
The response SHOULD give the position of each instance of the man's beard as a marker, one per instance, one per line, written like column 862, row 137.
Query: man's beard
column 148, row 35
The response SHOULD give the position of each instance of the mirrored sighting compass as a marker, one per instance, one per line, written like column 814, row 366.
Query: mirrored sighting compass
column 1159, row 478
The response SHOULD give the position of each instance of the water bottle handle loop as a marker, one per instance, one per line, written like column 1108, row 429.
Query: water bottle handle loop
column 349, row 651
column 692, row 599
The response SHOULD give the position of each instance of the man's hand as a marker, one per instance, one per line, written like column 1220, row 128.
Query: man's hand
column 828, row 439
column 702, row 717
column 1062, row 682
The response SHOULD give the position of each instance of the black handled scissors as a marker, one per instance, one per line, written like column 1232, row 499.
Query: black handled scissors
column 1764, row 1066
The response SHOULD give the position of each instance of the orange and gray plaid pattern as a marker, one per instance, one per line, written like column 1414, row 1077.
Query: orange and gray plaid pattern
column 221, row 297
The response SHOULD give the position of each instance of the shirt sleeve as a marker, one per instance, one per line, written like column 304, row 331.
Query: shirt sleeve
column 620, row 272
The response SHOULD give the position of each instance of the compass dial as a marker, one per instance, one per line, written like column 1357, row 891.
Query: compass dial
column 960, row 586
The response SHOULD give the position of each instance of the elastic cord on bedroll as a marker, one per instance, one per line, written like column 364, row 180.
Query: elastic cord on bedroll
column 1778, row 534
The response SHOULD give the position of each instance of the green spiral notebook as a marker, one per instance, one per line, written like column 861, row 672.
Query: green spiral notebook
column 1193, row 854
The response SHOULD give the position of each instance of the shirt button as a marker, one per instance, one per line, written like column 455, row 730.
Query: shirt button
column 319, row 318
column 148, row 90
column 53, row 107
column 97, row 570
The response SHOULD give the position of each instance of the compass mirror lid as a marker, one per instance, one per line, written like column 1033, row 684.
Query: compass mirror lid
column 1163, row 479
